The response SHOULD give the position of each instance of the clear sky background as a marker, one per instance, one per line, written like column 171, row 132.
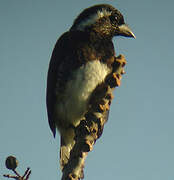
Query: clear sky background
column 138, row 140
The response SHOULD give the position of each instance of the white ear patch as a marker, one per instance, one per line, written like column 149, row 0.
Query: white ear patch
column 92, row 19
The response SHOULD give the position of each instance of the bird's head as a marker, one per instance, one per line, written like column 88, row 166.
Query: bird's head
column 103, row 19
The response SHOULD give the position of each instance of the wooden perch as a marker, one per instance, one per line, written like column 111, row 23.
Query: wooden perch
column 91, row 126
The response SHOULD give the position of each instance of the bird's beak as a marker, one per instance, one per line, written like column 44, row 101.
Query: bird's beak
column 124, row 30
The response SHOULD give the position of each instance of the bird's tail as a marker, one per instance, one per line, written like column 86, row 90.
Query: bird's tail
column 67, row 143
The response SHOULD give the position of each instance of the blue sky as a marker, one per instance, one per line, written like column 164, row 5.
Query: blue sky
column 137, row 142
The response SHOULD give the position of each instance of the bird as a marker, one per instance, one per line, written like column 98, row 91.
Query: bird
column 80, row 61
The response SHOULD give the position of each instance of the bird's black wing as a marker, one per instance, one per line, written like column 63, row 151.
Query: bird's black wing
column 65, row 58
column 56, row 60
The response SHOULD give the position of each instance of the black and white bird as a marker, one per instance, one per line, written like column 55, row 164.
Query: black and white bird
column 80, row 62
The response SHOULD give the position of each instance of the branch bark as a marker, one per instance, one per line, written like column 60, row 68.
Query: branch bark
column 91, row 126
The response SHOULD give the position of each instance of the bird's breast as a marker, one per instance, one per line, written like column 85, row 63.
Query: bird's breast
column 78, row 90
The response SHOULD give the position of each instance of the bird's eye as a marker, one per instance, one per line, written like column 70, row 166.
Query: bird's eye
column 113, row 18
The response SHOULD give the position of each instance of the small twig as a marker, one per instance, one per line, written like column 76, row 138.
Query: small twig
column 10, row 176
column 27, row 174
column 18, row 176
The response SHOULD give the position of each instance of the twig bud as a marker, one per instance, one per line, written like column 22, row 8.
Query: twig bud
column 11, row 163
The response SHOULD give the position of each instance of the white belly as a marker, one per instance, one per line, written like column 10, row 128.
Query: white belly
column 79, row 89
